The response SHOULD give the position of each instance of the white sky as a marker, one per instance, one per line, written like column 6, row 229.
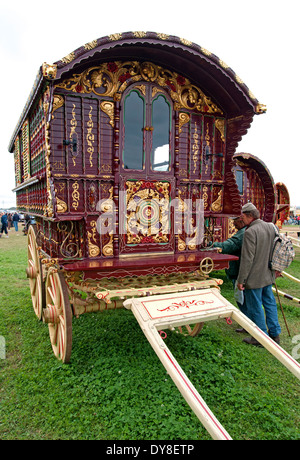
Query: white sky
column 259, row 40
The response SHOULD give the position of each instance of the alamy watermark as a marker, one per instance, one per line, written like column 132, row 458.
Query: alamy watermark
column 152, row 216
column 2, row 347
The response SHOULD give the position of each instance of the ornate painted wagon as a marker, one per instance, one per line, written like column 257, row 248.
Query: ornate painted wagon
column 124, row 155
column 256, row 184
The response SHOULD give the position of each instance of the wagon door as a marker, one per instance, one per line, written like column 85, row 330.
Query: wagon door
column 146, row 171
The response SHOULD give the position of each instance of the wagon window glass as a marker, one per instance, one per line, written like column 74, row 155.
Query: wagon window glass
column 133, row 155
column 240, row 180
column 160, row 154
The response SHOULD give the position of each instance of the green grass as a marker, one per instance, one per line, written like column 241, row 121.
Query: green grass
column 116, row 388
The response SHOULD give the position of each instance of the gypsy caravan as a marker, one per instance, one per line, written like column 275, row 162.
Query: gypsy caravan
column 124, row 156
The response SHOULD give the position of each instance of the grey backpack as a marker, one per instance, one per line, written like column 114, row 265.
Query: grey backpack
column 282, row 253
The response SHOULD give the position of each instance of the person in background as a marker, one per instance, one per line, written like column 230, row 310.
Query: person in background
column 15, row 220
column 4, row 223
column 255, row 278
column 9, row 221
column 27, row 223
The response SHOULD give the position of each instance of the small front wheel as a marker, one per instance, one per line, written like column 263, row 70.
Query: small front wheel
column 190, row 329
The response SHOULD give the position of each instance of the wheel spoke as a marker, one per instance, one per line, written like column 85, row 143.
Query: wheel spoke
column 31, row 252
column 189, row 329
column 31, row 262
column 49, row 290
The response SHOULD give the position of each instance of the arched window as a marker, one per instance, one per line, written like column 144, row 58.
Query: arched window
column 147, row 127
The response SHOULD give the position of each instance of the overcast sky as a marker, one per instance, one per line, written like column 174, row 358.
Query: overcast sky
column 259, row 40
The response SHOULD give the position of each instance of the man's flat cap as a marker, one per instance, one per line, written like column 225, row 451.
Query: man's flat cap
column 248, row 207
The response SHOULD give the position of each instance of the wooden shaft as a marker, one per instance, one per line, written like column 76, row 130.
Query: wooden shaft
column 184, row 385
column 288, row 361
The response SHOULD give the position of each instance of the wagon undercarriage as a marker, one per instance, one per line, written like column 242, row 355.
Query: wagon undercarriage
column 60, row 291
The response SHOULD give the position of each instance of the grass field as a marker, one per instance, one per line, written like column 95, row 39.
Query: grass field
column 115, row 387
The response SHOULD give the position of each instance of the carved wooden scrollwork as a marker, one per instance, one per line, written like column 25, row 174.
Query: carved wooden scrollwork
column 112, row 78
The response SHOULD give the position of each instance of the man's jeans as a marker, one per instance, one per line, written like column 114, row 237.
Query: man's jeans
column 255, row 299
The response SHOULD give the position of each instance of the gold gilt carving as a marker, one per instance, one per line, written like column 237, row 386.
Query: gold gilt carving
column 186, row 42
column 205, row 196
column 260, row 108
column 90, row 45
column 108, row 248
column 223, row 64
column 147, row 212
column 195, row 148
column 220, row 125
column 107, row 205
column 58, row 101
column 207, row 140
column 141, row 88
column 49, row 70
column 108, row 108
column 231, row 228
column 217, row 205
column 69, row 58
column 181, row 244
column 49, row 208
column 139, row 34
column 73, row 124
column 239, row 80
column 115, row 37
column 61, row 206
column 163, row 36
column 183, row 119
column 155, row 90
column 46, row 99
column 69, row 247
column 75, row 195
column 90, row 138
column 205, row 51
column 17, row 162
column 181, row 209
column 110, row 80
column 94, row 250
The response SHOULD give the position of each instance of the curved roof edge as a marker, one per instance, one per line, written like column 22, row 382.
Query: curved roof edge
column 119, row 39
column 266, row 178
column 255, row 160
column 220, row 79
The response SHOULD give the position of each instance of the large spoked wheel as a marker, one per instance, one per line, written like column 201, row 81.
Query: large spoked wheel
column 190, row 329
column 58, row 315
column 34, row 273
